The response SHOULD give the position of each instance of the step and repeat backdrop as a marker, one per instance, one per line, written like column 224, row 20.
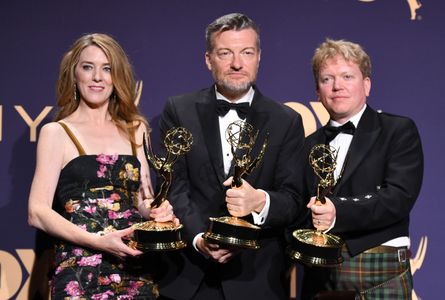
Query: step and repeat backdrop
column 165, row 42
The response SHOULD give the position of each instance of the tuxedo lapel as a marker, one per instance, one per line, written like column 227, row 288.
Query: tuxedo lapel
column 365, row 137
column 210, row 130
column 258, row 117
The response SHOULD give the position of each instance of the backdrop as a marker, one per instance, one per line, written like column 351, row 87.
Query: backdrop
column 165, row 42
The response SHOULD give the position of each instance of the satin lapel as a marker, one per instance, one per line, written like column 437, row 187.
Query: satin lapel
column 258, row 114
column 210, row 130
column 365, row 137
column 258, row 117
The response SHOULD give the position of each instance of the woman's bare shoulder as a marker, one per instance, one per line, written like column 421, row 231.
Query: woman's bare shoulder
column 52, row 130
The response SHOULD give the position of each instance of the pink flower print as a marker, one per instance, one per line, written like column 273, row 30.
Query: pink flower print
column 92, row 260
column 90, row 209
column 107, row 203
column 58, row 270
column 82, row 226
column 90, row 276
column 104, row 280
column 113, row 215
column 101, row 172
column 102, row 202
column 103, row 296
column 103, row 161
column 115, row 278
column 73, row 289
column 115, row 197
column 127, row 214
column 133, row 288
column 78, row 251
column 107, row 159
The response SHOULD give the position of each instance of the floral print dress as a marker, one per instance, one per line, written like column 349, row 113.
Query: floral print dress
column 96, row 192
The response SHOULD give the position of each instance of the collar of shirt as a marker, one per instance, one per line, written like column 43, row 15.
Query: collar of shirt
column 248, row 97
column 342, row 142
column 224, row 122
column 355, row 119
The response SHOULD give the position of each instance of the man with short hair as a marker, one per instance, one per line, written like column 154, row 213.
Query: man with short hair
column 202, row 178
column 378, row 178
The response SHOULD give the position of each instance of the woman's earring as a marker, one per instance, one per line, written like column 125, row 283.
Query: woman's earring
column 75, row 92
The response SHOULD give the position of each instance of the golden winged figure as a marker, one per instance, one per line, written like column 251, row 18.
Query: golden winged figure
column 417, row 261
column 139, row 87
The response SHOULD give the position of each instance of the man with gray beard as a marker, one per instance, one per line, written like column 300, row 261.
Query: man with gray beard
column 202, row 178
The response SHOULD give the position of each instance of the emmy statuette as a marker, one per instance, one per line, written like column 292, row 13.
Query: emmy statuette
column 310, row 246
column 160, row 236
column 229, row 230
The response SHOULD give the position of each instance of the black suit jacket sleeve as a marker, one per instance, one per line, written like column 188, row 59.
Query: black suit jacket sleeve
column 286, row 204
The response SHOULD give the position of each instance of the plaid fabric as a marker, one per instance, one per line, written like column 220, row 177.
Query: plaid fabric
column 374, row 275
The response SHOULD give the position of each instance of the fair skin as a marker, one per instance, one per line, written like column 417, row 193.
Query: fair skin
column 240, row 202
column 243, row 200
column 343, row 90
column 92, row 125
column 234, row 63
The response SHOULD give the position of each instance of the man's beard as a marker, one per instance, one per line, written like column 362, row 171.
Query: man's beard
column 235, row 88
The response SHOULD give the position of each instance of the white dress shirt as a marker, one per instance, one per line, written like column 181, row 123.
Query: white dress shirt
column 224, row 121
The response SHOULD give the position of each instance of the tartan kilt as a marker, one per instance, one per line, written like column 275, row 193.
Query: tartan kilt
column 374, row 276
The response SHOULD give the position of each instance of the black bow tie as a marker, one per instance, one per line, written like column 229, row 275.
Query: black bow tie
column 331, row 131
column 223, row 107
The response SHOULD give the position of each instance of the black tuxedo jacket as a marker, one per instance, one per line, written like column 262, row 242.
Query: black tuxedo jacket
column 380, row 183
column 197, row 193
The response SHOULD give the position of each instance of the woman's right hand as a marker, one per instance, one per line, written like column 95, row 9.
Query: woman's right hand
column 113, row 243
column 164, row 213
